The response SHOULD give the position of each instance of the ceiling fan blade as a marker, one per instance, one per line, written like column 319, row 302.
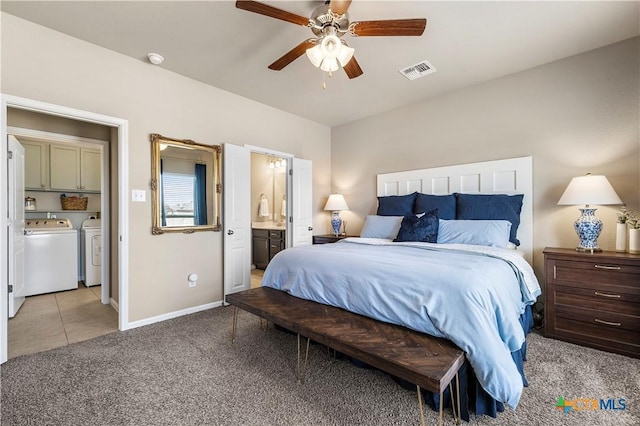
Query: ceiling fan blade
column 292, row 55
column 339, row 7
column 273, row 12
column 392, row 27
column 353, row 69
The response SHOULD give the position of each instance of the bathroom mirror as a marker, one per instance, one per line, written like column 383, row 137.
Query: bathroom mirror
column 185, row 185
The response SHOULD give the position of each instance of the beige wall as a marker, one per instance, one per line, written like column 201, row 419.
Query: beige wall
column 573, row 116
column 44, row 65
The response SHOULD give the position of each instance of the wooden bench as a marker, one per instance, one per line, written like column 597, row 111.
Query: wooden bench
column 428, row 362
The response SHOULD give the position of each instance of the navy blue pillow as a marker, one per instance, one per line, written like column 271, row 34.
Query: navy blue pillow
column 396, row 205
column 491, row 207
column 424, row 228
column 446, row 205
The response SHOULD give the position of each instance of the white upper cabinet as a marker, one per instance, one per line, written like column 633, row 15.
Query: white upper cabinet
column 90, row 169
column 36, row 162
column 74, row 168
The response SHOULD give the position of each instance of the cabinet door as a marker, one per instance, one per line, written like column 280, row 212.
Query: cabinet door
column 260, row 252
column 36, row 162
column 90, row 169
column 65, row 167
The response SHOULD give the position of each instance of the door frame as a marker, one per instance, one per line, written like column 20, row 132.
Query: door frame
column 122, row 126
column 288, row 185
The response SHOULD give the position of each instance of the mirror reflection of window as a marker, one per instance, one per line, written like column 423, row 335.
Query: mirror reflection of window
column 185, row 186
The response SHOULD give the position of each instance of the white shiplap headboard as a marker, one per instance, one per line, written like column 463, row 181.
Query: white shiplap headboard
column 510, row 176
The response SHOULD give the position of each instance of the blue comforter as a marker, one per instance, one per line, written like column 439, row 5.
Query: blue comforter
column 470, row 295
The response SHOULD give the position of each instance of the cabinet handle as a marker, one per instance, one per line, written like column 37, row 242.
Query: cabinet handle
column 615, row 324
column 42, row 185
column 610, row 268
column 614, row 296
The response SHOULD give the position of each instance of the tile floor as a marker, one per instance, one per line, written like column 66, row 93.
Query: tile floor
column 57, row 319
column 256, row 277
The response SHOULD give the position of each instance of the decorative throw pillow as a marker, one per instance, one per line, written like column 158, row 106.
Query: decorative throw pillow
column 491, row 207
column 381, row 227
column 446, row 205
column 423, row 228
column 493, row 233
column 396, row 205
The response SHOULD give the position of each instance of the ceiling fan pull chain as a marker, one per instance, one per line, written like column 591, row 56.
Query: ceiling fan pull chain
column 324, row 82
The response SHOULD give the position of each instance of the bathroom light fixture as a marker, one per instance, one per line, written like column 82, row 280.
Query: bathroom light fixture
column 155, row 58
column 589, row 189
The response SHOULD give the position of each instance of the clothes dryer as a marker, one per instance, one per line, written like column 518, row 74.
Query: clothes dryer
column 91, row 252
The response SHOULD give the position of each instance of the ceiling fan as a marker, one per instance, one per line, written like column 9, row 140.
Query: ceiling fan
column 329, row 22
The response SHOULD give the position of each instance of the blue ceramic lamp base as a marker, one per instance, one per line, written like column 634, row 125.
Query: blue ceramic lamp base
column 588, row 227
column 336, row 223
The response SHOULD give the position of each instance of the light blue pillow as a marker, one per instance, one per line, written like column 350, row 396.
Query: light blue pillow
column 493, row 233
column 381, row 227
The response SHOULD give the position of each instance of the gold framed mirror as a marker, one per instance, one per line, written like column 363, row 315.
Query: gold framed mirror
column 185, row 185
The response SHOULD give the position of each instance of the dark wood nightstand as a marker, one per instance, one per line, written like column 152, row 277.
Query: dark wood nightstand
column 328, row 238
column 593, row 299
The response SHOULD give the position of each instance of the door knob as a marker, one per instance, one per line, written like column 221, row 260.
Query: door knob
column 310, row 228
column 230, row 232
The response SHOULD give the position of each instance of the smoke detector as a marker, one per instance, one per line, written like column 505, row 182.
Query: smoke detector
column 155, row 58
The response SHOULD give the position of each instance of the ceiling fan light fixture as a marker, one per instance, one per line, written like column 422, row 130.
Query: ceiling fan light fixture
column 345, row 55
column 315, row 55
column 329, row 65
column 330, row 46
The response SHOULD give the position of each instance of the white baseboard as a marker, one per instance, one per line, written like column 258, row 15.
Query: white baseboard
column 175, row 314
column 115, row 305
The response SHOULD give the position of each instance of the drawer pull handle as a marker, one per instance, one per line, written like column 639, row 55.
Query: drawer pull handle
column 610, row 268
column 615, row 324
column 615, row 296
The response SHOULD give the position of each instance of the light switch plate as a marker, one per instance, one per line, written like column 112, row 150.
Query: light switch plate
column 139, row 195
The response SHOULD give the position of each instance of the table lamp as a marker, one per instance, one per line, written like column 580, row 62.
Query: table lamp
column 587, row 190
column 335, row 203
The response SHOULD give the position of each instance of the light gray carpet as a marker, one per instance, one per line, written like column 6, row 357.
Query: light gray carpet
column 186, row 372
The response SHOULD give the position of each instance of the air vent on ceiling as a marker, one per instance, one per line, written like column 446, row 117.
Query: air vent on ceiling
column 418, row 70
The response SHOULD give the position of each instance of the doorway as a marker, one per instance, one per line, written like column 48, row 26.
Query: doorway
column 238, row 226
column 116, row 214
column 66, row 178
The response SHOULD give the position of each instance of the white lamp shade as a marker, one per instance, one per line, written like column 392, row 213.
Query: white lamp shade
column 315, row 55
column 329, row 65
column 330, row 46
column 589, row 189
column 345, row 55
column 336, row 202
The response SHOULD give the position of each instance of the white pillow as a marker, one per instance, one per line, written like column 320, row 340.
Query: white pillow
column 493, row 233
column 381, row 227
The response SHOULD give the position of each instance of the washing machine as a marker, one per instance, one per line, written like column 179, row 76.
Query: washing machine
column 91, row 252
column 50, row 256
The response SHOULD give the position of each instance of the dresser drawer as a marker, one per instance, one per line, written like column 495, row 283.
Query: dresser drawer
column 588, row 273
column 599, row 299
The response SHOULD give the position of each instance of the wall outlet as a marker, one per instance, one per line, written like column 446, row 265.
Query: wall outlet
column 192, row 279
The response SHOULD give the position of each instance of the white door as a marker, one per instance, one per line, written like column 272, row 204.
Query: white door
column 15, row 225
column 236, row 219
column 302, row 218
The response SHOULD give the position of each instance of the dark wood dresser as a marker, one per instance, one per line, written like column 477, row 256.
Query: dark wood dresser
column 593, row 299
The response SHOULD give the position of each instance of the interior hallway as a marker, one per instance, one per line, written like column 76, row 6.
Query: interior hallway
column 57, row 319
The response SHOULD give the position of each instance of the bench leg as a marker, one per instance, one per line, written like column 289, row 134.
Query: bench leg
column 234, row 324
column 264, row 324
column 457, row 414
column 300, row 375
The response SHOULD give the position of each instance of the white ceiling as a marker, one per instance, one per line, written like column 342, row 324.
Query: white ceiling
column 467, row 42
